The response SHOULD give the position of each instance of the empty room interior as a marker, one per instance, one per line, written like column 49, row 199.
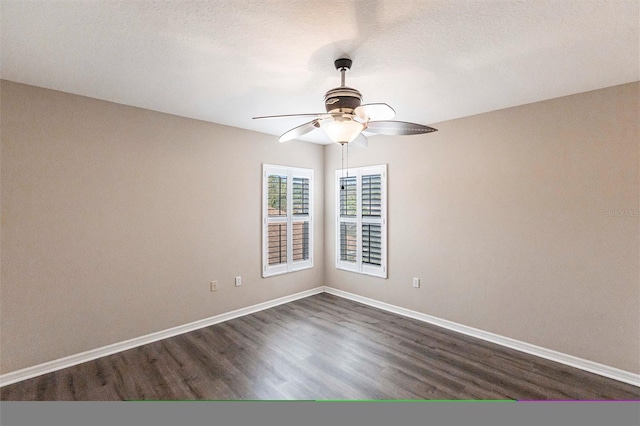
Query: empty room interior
column 320, row 200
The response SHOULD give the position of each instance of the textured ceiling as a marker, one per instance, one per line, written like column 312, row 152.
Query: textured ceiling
column 227, row 61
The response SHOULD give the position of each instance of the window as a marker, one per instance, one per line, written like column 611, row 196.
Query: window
column 361, row 228
column 287, row 224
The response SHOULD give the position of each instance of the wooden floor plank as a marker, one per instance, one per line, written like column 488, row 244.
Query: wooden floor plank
column 321, row 347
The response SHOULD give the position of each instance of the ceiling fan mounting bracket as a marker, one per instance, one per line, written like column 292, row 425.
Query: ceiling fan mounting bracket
column 343, row 63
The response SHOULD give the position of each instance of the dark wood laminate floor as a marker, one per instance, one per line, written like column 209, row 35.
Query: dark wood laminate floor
column 321, row 347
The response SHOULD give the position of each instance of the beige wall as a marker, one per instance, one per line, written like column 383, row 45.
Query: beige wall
column 115, row 219
column 503, row 216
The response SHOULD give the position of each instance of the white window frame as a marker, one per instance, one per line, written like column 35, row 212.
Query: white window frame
column 359, row 266
column 289, row 219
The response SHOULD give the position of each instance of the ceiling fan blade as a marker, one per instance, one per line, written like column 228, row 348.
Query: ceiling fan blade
column 296, row 132
column 375, row 112
column 361, row 140
column 397, row 128
column 316, row 114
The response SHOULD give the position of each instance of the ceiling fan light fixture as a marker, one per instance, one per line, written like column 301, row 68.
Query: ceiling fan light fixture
column 342, row 131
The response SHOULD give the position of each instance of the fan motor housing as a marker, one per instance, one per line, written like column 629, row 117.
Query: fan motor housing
column 342, row 99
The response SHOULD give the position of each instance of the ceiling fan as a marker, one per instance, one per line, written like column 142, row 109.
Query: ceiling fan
column 346, row 118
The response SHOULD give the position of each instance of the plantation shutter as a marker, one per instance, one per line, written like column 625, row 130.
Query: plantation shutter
column 361, row 220
column 301, row 222
column 287, row 220
column 371, row 209
column 277, row 208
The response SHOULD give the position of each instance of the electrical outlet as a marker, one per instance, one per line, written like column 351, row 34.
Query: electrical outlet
column 238, row 281
column 214, row 285
column 416, row 282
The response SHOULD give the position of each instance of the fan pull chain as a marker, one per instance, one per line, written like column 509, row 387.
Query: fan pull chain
column 342, row 165
column 347, row 161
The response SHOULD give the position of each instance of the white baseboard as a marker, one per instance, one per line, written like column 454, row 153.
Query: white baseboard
column 570, row 360
column 58, row 364
column 583, row 364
